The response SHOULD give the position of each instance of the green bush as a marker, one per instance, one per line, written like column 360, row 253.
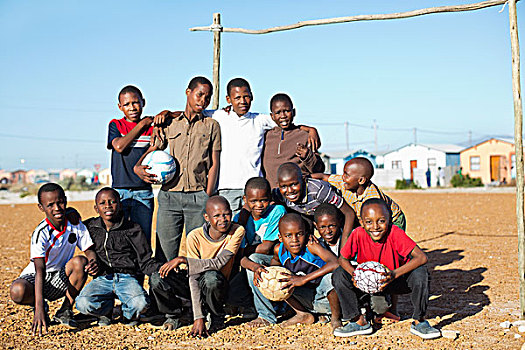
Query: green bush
column 407, row 185
column 465, row 181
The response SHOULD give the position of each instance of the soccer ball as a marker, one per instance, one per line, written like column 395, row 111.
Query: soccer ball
column 367, row 276
column 162, row 165
column 270, row 286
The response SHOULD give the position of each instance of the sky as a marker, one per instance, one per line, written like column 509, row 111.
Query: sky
column 62, row 64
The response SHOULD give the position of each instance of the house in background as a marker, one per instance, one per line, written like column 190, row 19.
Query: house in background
column 416, row 159
column 493, row 160
column 67, row 173
column 88, row 174
column 104, row 176
column 338, row 159
column 5, row 177
column 18, row 177
column 37, row 176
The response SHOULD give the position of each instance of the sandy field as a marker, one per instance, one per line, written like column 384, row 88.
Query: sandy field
column 470, row 239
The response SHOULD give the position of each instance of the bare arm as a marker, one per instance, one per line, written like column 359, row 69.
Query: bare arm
column 92, row 266
column 121, row 143
column 214, row 171
column 346, row 265
column 349, row 222
column 266, row 247
column 314, row 141
column 140, row 169
column 39, row 320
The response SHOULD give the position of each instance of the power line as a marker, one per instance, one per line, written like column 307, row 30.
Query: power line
column 58, row 139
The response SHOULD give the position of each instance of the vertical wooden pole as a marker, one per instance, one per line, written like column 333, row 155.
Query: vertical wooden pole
column 518, row 140
column 217, row 29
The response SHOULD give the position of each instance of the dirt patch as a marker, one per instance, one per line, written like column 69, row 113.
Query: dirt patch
column 470, row 240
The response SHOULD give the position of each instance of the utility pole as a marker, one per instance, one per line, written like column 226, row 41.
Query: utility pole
column 415, row 135
column 216, row 28
column 470, row 138
column 375, row 137
column 347, row 140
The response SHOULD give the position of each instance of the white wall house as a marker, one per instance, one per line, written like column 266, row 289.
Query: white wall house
column 416, row 159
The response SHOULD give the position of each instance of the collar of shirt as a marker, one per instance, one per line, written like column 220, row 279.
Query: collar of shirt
column 181, row 116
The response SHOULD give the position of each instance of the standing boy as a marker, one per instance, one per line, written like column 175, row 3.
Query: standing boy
column 242, row 141
column 305, row 195
column 128, row 140
column 211, row 252
column 378, row 240
column 195, row 143
column 356, row 186
column 123, row 252
column 311, row 266
column 53, row 271
column 287, row 142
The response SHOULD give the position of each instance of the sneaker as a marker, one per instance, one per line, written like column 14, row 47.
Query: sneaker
column 249, row 313
column 104, row 321
column 352, row 328
column 65, row 317
column 171, row 324
column 425, row 330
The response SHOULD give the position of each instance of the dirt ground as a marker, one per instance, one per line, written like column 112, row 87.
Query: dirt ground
column 470, row 239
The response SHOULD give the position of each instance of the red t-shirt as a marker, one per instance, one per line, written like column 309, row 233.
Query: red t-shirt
column 392, row 252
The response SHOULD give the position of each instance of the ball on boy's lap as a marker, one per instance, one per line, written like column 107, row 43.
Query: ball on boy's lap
column 270, row 286
column 162, row 165
column 368, row 276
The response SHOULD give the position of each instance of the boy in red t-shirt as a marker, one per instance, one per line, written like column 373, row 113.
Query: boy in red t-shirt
column 378, row 240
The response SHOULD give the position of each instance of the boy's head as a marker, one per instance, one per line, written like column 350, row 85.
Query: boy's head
column 257, row 195
column 198, row 94
column 218, row 214
column 107, row 204
column 239, row 95
column 282, row 110
column 290, row 179
column 53, row 202
column 293, row 233
column 327, row 220
column 357, row 172
column 131, row 102
column 376, row 218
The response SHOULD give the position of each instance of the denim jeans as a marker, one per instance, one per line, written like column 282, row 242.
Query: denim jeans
column 234, row 197
column 138, row 207
column 176, row 211
column 315, row 299
column 97, row 297
column 264, row 307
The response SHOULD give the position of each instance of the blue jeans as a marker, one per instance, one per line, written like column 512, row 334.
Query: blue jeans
column 315, row 299
column 97, row 297
column 138, row 207
column 264, row 307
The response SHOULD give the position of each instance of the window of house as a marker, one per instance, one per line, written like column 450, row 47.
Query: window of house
column 474, row 163
column 396, row 164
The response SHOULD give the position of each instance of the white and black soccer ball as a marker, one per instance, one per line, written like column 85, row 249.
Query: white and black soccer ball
column 270, row 286
column 162, row 165
column 368, row 276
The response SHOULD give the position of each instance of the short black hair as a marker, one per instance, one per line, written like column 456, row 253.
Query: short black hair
column 237, row 82
column 280, row 97
column 289, row 168
column 199, row 80
column 107, row 189
column 132, row 89
column 377, row 201
column 294, row 217
column 257, row 183
column 217, row 199
column 327, row 209
column 50, row 187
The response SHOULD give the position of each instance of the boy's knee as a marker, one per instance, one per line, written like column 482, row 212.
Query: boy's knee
column 137, row 304
column 419, row 276
column 339, row 276
column 155, row 281
column 83, row 305
column 213, row 280
column 78, row 263
column 258, row 258
column 17, row 291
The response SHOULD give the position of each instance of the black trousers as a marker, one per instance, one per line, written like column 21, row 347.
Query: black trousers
column 414, row 283
column 169, row 292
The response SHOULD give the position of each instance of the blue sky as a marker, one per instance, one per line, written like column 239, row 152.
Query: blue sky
column 62, row 64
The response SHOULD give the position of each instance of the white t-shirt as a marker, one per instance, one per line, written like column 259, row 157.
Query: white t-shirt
column 242, row 140
column 56, row 247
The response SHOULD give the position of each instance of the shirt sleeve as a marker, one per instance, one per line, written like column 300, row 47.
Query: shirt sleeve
column 39, row 244
column 198, row 266
column 195, row 297
column 336, row 181
column 267, row 121
column 403, row 244
column 216, row 136
column 327, row 194
column 139, row 242
column 272, row 231
column 113, row 133
column 84, row 241
column 235, row 242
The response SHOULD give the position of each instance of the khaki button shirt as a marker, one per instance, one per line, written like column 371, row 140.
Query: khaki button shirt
column 191, row 143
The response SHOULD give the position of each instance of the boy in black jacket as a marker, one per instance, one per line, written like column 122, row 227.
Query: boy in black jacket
column 122, row 251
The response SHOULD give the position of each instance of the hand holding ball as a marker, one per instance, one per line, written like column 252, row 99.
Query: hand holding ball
column 270, row 286
column 162, row 165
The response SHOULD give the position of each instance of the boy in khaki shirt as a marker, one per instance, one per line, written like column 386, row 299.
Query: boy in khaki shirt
column 195, row 142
